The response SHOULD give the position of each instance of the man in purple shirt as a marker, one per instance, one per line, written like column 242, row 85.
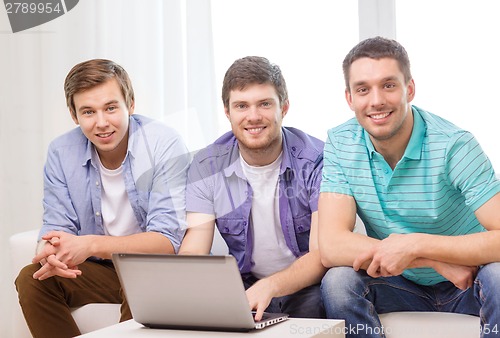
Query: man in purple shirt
column 260, row 184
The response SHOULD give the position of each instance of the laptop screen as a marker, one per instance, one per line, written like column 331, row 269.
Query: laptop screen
column 193, row 292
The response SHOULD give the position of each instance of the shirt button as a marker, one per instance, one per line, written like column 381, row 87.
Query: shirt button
column 301, row 228
column 294, row 148
column 97, row 183
column 98, row 214
column 386, row 171
column 226, row 229
column 244, row 222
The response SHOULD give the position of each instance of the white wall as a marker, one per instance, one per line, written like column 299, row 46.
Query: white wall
column 453, row 46
column 166, row 48
column 307, row 39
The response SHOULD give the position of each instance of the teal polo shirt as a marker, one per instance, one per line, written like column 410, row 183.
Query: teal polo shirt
column 442, row 178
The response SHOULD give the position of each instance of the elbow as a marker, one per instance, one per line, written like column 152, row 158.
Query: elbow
column 332, row 252
column 325, row 255
column 327, row 262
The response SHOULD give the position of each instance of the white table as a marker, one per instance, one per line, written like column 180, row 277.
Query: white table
column 296, row 328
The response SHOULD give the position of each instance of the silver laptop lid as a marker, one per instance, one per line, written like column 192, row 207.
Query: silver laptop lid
column 194, row 292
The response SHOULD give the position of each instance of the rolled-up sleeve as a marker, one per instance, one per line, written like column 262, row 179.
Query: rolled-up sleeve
column 164, row 187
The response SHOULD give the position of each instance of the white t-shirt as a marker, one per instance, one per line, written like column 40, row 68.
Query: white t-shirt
column 117, row 214
column 270, row 252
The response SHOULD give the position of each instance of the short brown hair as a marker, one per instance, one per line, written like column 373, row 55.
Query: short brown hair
column 91, row 73
column 253, row 70
column 378, row 48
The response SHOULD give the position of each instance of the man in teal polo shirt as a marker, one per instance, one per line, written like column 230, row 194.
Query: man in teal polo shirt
column 426, row 193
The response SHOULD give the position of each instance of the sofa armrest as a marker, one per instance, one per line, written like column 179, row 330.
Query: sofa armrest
column 22, row 249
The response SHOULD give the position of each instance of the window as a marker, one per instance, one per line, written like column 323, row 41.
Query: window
column 307, row 39
column 452, row 47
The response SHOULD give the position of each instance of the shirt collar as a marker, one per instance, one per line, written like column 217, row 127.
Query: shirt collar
column 234, row 165
column 369, row 144
column 288, row 146
column 414, row 148
column 134, row 133
column 132, row 137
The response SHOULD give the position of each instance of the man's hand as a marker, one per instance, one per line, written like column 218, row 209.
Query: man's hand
column 51, row 266
column 48, row 270
column 46, row 253
column 60, row 255
column 259, row 296
column 460, row 275
column 389, row 257
column 393, row 255
column 68, row 249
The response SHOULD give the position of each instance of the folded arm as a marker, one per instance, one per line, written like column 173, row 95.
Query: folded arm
column 339, row 246
column 466, row 250
column 474, row 249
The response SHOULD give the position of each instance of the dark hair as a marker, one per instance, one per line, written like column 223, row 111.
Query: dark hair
column 253, row 70
column 377, row 48
column 91, row 73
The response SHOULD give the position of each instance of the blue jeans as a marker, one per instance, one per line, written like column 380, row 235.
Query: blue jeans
column 358, row 299
column 305, row 303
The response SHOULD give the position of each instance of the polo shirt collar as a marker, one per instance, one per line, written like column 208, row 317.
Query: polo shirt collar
column 414, row 147
column 369, row 144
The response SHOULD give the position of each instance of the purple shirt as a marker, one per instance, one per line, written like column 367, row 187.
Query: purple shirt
column 217, row 186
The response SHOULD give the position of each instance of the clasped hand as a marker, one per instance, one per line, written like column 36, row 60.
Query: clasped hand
column 394, row 254
column 60, row 256
column 389, row 257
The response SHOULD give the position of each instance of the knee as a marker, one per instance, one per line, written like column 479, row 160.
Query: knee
column 340, row 284
column 26, row 285
column 489, row 272
column 25, row 277
column 340, row 277
column 488, row 277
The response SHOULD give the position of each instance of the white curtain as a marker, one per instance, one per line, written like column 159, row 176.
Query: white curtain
column 165, row 46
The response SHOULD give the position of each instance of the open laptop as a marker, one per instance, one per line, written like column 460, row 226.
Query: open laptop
column 187, row 292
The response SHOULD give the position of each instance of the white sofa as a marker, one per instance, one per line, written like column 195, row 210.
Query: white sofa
column 89, row 317
column 95, row 316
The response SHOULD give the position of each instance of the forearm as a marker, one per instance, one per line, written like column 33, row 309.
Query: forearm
column 196, row 243
column 146, row 242
column 468, row 250
column 305, row 271
column 338, row 244
column 341, row 249
column 199, row 235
